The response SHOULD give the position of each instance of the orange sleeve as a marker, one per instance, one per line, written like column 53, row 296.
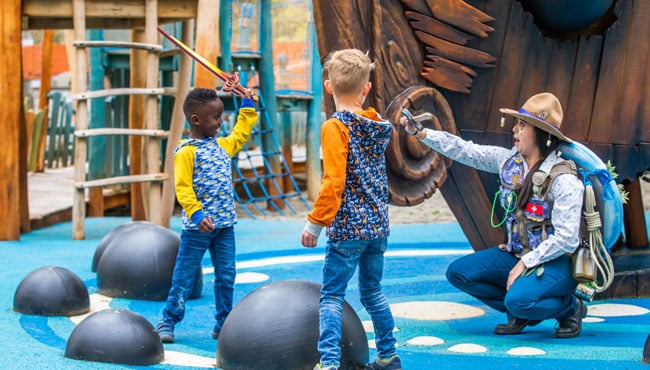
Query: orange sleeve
column 334, row 143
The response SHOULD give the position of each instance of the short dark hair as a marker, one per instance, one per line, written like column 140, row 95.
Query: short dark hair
column 196, row 98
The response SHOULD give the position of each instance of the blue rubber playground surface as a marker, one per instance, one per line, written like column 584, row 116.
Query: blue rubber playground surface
column 437, row 326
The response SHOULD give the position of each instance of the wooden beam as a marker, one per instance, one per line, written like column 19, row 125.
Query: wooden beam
column 10, row 117
column 136, row 121
column 46, row 82
column 207, row 37
column 177, row 124
column 109, row 9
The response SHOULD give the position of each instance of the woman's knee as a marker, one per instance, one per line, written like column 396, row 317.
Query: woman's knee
column 456, row 274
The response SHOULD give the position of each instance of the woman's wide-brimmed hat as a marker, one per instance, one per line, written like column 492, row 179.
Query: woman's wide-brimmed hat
column 543, row 111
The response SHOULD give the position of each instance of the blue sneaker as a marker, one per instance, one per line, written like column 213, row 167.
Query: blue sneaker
column 393, row 363
column 165, row 332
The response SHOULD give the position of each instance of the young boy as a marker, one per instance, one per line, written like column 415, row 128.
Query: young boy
column 202, row 172
column 352, row 203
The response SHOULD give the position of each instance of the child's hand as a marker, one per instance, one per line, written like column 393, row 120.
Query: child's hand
column 231, row 83
column 308, row 240
column 206, row 225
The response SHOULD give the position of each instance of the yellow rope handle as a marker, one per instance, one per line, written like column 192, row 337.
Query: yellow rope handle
column 603, row 261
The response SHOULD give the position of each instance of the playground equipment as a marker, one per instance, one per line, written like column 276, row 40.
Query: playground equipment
column 136, row 260
column 276, row 326
column 150, row 168
column 52, row 291
column 117, row 336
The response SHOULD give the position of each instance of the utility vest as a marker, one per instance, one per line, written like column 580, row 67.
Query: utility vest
column 530, row 226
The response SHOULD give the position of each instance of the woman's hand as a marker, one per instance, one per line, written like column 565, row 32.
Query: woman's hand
column 515, row 273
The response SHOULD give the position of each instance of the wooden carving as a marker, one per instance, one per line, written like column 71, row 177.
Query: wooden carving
column 463, row 60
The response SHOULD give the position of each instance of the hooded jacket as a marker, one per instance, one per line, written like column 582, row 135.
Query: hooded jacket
column 353, row 199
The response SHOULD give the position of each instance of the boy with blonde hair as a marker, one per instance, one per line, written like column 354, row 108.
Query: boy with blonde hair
column 353, row 205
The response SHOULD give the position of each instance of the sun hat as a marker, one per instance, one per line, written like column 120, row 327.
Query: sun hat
column 543, row 111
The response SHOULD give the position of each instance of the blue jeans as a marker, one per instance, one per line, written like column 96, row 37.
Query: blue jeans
column 341, row 260
column 484, row 275
column 221, row 245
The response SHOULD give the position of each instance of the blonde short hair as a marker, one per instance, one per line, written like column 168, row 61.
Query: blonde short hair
column 348, row 71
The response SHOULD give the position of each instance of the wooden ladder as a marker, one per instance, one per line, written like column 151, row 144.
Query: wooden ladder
column 151, row 133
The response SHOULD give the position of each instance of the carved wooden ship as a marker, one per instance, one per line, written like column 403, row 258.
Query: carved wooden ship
column 463, row 60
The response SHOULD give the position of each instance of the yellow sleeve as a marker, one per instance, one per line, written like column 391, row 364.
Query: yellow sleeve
column 233, row 143
column 335, row 137
column 183, row 172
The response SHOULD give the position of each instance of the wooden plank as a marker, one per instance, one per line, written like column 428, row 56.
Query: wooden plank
column 538, row 61
column 30, row 23
column 560, row 71
column 152, row 113
column 207, row 31
column 119, row 44
column 119, row 180
column 628, row 119
column 470, row 215
column 124, row 91
column 609, row 78
column 577, row 113
column 471, row 111
column 81, row 146
column 137, row 64
column 23, row 194
column 46, row 82
column 121, row 131
column 177, row 125
column 109, row 8
column 511, row 66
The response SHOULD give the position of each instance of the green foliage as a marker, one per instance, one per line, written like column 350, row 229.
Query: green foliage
column 625, row 196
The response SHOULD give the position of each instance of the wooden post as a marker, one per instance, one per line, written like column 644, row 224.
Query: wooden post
column 207, row 31
column 81, row 146
column 137, row 68
column 46, row 82
column 151, row 113
column 177, row 125
column 312, row 137
column 23, row 201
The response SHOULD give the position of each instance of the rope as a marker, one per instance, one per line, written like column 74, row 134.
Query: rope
column 602, row 260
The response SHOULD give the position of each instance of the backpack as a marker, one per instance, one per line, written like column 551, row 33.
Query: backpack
column 602, row 217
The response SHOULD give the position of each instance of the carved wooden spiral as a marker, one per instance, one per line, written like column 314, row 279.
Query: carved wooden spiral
column 415, row 171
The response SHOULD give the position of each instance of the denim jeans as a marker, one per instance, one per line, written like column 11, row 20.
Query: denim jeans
column 484, row 275
column 341, row 260
column 221, row 245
